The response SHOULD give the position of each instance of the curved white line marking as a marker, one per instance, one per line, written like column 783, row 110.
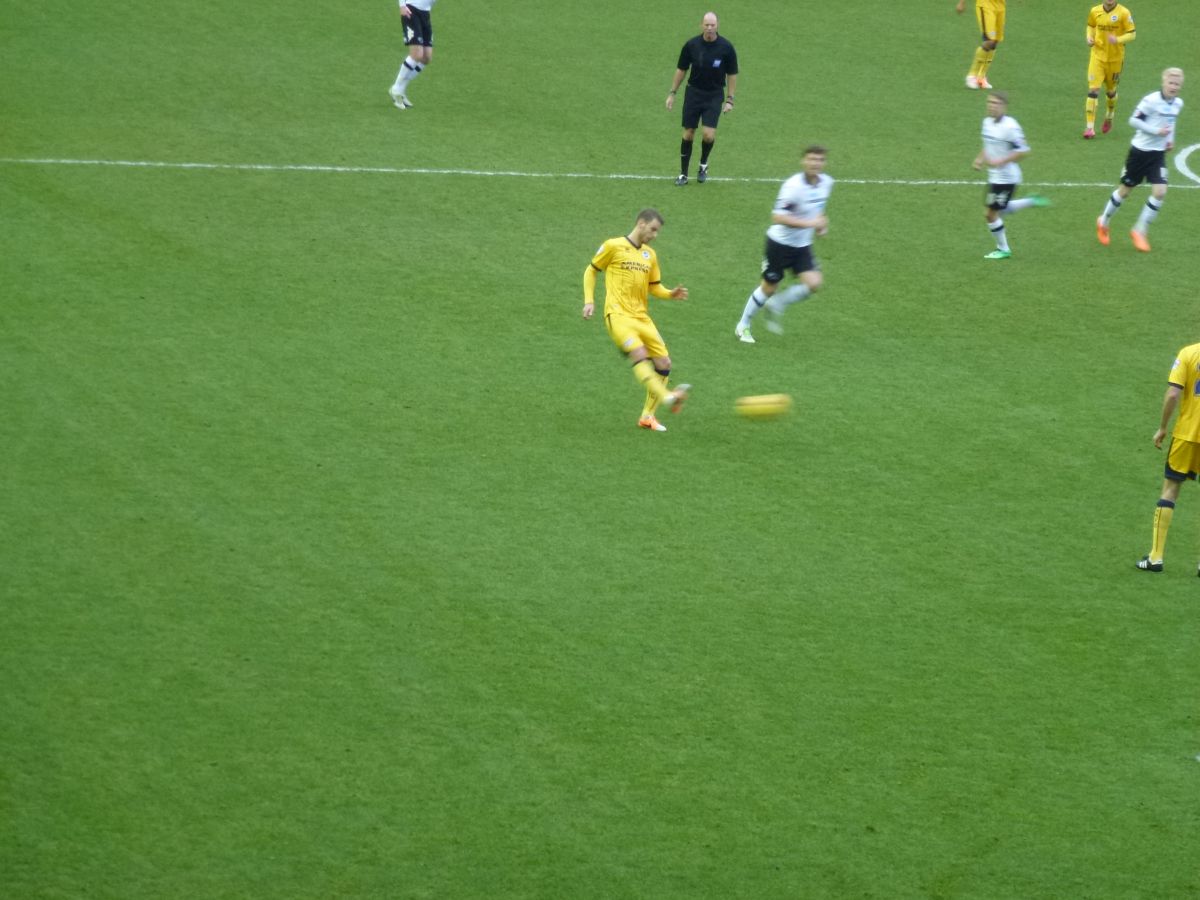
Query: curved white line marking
column 1181, row 162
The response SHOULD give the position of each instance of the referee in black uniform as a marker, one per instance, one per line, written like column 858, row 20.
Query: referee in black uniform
column 712, row 61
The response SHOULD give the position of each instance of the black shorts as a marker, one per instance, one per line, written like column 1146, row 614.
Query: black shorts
column 417, row 28
column 1144, row 165
column 998, row 195
column 702, row 106
column 779, row 258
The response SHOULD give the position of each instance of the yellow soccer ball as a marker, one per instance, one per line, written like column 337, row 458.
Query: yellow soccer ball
column 763, row 406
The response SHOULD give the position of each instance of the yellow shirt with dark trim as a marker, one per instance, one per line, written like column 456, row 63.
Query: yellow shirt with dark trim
column 995, row 6
column 1186, row 374
column 1117, row 21
column 628, row 273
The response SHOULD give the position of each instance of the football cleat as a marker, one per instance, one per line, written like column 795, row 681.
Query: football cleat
column 744, row 335
column 652, row 423
column 1146, row 566
column 681, row 181
column 1039, row 201
column 675, row 398
column 972, row 83
column 399, row 99
column 999, row 254
column 1139, row 241
column 1089, row 133
column 703, row 174
column 984, row 83
column 1106, row 127
column 1102, row 231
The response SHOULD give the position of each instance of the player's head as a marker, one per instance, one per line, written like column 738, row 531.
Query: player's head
column 1108, row 5
column 997, row 104
column 1172, row 82
column 646, row 228
column 708, row 26
column 814, row 159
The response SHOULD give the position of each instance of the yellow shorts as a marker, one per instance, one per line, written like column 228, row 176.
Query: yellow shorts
column 629, row 333
column 1104, row 74
column 1183, row 460
column 991, row 23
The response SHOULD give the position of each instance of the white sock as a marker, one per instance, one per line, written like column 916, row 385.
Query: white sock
column 796, row 293
column 753, row 305
column 408, row 71
column 1017, row 205
column 1110, row 208
column 1149, row 214
column 997, row 230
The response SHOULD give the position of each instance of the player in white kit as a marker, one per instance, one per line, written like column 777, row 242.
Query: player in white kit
column 418, row 37
column 797, row 218
column 1004, row 146
column 1154, row 121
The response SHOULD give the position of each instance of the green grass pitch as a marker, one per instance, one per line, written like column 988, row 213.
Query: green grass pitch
column 332, row 565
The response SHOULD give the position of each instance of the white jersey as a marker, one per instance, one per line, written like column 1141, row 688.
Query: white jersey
column 426, row 5
column 799, row 198
column 1154, row 113
column 1000, row 138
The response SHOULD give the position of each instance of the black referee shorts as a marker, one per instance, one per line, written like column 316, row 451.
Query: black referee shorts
column 702, row 106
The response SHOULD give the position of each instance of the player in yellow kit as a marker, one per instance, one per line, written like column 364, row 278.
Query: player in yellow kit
column 631, row 274
column 1109, row 28
column 1183, row 456
column 990, row 16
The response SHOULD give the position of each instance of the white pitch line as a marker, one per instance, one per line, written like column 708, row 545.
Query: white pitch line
column 1180, row 162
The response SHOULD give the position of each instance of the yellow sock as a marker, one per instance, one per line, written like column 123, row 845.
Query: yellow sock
column 1112, row 108
column 1090, row 112
column 1162, row 522
column 643, row 371
column 651, row 399
column 986, row 63
column 976, row 65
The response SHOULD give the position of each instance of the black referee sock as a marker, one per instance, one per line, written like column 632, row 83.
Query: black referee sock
column 705, row 149
column 685, row 156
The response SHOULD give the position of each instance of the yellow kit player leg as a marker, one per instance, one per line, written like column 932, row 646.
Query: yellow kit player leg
column 1099, row 76
column 630, row 334
column 990, row 16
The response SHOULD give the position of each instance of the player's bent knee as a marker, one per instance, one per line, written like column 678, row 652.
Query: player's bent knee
column 990, row 45
column 1096, row 93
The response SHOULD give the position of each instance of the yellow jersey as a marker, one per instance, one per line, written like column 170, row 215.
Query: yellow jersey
column 1185, row 373
column 1101, row 23
column 995, row 6
column 628, row 273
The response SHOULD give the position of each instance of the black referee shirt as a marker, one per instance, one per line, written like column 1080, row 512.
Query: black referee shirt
column 710, row 62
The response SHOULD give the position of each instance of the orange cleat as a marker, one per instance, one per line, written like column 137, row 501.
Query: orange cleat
column 652, row 423
column 1106, row 127
column 1139, row 241
column 984, row 83
column 1102, row 231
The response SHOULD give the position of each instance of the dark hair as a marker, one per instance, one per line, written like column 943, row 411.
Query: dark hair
column 815, row 150
column 650, row 215
column 1002, row 96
